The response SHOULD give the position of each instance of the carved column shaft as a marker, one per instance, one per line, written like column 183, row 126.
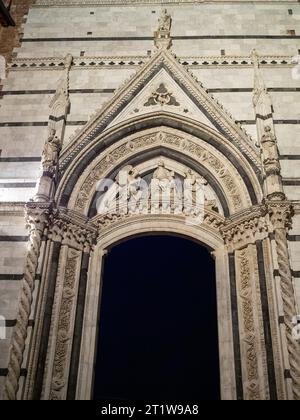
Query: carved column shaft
column 280, row 215
column 36, row 221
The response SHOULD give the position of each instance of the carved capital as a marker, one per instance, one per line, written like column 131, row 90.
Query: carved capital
column 72, row 230
column 280, row 214
column 245, row 228
column 38, row 216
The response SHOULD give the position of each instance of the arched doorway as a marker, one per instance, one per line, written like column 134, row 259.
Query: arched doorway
column 158, row 337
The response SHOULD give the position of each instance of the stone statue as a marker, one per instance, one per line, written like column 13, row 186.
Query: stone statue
column 165, row 22
column 51, row 151
column 269, row 146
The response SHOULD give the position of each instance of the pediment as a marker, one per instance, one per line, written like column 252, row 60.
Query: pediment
column 162, row 93
column 139, row 96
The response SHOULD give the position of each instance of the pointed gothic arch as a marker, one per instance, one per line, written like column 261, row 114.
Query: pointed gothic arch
column 69, row 245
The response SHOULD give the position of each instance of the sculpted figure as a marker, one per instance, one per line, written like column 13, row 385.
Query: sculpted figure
column 165, row 21
column 51, row 151
column 269, row 146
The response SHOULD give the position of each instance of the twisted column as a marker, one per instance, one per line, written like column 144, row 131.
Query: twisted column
column 36, row 219
column 280, row 214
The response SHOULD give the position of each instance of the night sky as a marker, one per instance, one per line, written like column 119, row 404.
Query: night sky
column 158, row 323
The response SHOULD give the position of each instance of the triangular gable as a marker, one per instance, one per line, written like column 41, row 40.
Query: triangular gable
column 162, row 93
column 204, row 107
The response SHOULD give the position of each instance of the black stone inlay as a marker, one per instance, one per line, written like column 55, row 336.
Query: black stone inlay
column 278, row 122
column 10, row 323
column 52, row 92
column 17, row 184
column 148, row 38
column 290, row 157
column 4, row 372
column 295, row 274
column 20, row 159
column 266, row 321
column 294, row 238
column 57, row 119
column 86, row 91
column 291, row 182
column 71, row 394
column 287, row 374
column 37, row 124
column 235, row 329
column 4, row 238
column 46, row 322
column 16, row 277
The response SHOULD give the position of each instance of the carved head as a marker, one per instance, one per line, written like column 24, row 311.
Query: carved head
column 161, row 163
column 267, row 128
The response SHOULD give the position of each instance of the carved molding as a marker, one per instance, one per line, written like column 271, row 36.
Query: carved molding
column 187, row 146
column 249, row 339
column 118, row 62
column 65, row 327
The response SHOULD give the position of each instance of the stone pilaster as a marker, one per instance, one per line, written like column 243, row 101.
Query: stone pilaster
column 37, row 218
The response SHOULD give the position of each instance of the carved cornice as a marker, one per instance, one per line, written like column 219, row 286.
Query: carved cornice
column 118, row 62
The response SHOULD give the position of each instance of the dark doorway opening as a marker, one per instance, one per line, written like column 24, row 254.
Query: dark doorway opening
column 158, row 338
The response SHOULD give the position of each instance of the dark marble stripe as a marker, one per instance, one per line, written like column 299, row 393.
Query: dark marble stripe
column 295, row 274
column 235, row 329
column 14, row 277
column 10, row 323
column 149, row 38
column 51, row 92
column 293, row 238
column 278, row 122
column 74, row 365
column 57, row 119
column 37, row 124
column 4, row 238
column 16, row 159
column 3, row 372
column 17, row 184
column 86, row 91
column 70, row 123
column 266, row 321
column 291, row 182
column 290, row 157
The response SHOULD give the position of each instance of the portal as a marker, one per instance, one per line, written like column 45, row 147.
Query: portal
column 158, row 337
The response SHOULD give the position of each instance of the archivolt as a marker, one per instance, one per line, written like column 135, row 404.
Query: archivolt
column 232, row 175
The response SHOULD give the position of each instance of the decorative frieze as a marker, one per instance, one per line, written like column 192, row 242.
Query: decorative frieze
column 119, row 62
